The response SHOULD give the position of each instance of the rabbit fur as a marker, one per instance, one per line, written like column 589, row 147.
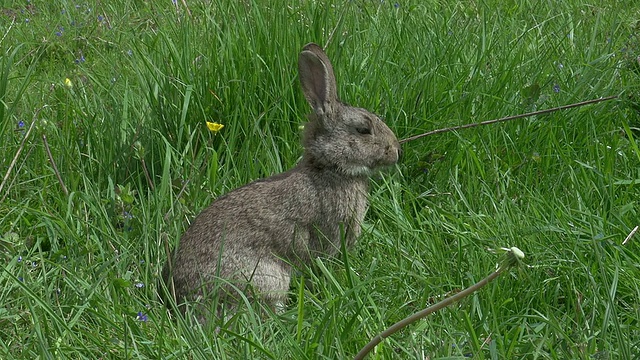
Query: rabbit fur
column 256, row 233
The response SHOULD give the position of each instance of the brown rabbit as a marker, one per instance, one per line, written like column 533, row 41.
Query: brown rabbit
column 254, row 234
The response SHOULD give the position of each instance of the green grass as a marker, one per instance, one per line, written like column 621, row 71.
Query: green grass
column 130, row 145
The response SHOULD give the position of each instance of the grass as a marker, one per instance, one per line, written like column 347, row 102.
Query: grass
column 128, row 138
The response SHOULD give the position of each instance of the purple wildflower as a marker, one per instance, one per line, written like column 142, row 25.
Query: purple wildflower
column 142, row 317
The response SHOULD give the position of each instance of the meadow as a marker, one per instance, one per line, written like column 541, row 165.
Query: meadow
column 105, row 157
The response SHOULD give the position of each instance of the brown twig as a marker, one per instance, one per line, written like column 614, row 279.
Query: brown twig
column 513, row 256
column 146, row 174
column 53, row 164
column 508, row 118
column 24, row 140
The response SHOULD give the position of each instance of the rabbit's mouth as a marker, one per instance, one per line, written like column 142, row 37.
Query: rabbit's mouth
column 390, row 157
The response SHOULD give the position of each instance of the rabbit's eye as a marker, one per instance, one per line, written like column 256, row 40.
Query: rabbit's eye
column 363, row 130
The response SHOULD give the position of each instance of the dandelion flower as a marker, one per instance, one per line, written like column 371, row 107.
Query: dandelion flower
column 68, row 83
column 214, row 127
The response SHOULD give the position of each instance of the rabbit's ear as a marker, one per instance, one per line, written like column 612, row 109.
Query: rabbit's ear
column 317, row 79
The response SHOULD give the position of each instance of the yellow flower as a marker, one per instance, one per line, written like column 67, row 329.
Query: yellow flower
column 214, row 127
column 68, row 83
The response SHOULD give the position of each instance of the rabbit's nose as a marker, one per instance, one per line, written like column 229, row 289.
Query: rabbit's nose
column 394, row 150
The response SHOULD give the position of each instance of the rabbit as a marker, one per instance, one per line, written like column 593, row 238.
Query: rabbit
column 253, row 236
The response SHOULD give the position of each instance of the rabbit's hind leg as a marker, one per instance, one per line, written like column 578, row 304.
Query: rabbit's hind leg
column 271, row 281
